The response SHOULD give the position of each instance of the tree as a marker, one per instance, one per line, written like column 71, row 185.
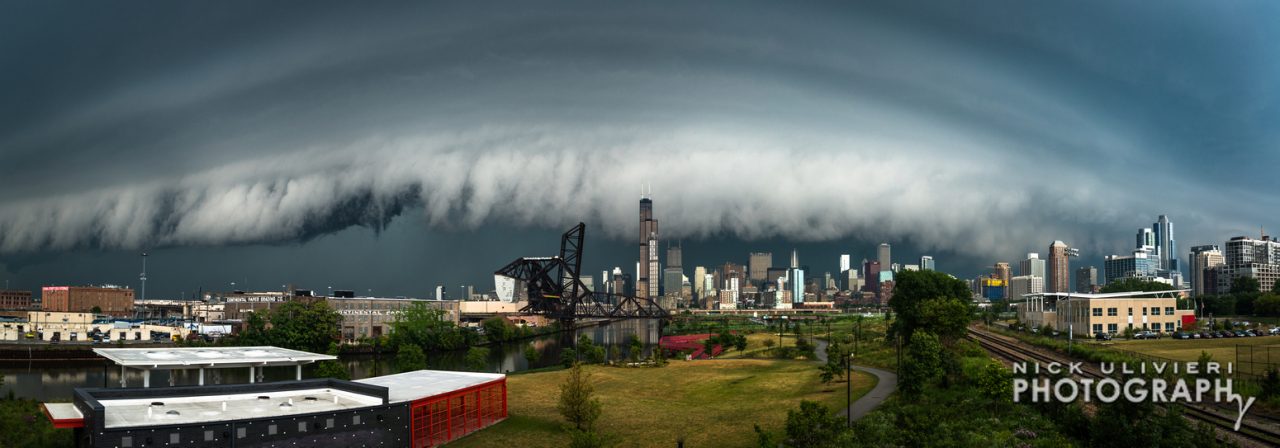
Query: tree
column 922, row 364
column 996, row 383
column 428, row 328
column 531, row 354
column 410, row 358
column 477, row 359
column 911, row 288
column 332, row 368
column 498, row 329
column 768, row 343
column 306, row 326
column 1267, row 305
column 96, row 309
column 1130, row 284
column 814, row 425
column 1245, row 285
column 946, row 317
column 577, row 404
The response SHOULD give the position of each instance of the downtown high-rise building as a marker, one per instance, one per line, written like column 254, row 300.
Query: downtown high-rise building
column 795, row 279
column 884, row 256
column 844, row 262
column 647, row 274
column 1142, row 264
column 1025, row 284
column 673, row 274
column 1204, row 260
column 1247, row 257
column 871, row 276
column 758, row 264
column 699, row 286
column 1003, row 273
column 1059, row 279
column 1086, row 279
column 926, row 263
column 1166, row 245
column 1033, row 265
column 1145, row 239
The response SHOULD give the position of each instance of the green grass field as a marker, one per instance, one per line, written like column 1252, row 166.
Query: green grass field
column 1222, row 350
column 709, row 403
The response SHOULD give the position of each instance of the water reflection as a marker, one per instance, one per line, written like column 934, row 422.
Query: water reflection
column 57, row 381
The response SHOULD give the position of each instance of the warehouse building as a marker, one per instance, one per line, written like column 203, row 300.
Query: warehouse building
column 423, row 408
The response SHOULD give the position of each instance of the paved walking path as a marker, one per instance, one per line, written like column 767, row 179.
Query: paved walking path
column 886, row 383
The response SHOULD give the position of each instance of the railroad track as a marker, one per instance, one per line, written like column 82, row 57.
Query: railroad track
column 1017, row 352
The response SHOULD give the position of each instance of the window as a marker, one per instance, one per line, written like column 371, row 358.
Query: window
column 1113, row 328
column 1168, row 311
column 1097, row 328
column 1155, row 311
column 302, row 426
column 1097, row 312
column 241, row 432
column 271, row 430
column 1168, row 326
column 355, row 420
column 126, row 442
column 173, row 438
column 1144, row 311
column 1112, row 312
column 1130, row 311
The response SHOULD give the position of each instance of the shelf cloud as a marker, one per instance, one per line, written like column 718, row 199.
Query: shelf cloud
column 969, row 131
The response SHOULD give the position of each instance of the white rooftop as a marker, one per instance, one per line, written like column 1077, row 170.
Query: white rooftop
column 420, row 384
column 63, row 411
column 216, row 357
column 133, row 412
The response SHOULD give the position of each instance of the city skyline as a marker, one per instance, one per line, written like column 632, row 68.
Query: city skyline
column 255, row 145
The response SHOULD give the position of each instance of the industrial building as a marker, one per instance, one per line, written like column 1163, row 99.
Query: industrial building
column 112, row 300
column 15, row 300
column 1089, row 314
column 414, row 409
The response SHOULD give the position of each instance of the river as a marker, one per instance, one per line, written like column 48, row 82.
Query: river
column 56, row 381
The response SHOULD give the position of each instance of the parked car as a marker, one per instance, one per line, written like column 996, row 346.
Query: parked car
column 1240, row 334
column 1147, row 334
column 1182, row 335
column 1195, row 335
column 1274, row 331
column 1103, row 336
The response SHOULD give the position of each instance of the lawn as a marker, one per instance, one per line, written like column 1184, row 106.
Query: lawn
column 1222, row 350
column 708, row 402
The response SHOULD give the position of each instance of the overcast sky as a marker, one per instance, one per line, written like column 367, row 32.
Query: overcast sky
column 400, row 146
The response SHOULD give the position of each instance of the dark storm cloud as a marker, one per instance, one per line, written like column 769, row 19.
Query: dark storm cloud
column 974, row 131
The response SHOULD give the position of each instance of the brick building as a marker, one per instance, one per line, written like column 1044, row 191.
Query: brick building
column 15, row 300
column 111, row 300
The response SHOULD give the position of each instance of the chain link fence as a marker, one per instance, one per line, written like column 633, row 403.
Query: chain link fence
column 1256, row 360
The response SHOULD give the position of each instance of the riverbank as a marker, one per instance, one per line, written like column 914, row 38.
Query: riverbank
column 706, row 402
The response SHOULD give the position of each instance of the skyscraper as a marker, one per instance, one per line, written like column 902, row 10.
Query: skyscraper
column 1086, row 279
column 1166, row 246
column 674, row 256
column 926, row 263
column 844, row 262
column 795, row 279
column 647, row 277
column 1059, row 279
column 1033, row 266
column 1202, row 259
column 1003, row 273
column 758, row 264
column 883, row 256
column 870, row 275
column 699, row 285
column 1146, row 239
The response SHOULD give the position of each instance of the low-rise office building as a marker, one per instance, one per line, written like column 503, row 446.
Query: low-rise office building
column 1091, row 314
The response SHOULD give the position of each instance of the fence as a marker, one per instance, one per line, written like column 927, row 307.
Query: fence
column 1256, row 360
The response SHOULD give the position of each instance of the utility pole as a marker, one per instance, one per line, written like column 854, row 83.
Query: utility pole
column 144, row 276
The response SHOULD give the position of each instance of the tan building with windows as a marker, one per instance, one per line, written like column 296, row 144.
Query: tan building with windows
column 1089, row 314
column 112, row 300
column 371, row 317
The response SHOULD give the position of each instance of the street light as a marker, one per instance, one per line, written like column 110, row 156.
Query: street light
column 848, row 389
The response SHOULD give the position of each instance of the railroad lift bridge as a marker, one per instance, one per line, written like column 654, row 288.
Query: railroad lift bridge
column 555, row 289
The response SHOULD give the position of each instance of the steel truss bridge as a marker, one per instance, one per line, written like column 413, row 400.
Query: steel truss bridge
column 556, row 291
